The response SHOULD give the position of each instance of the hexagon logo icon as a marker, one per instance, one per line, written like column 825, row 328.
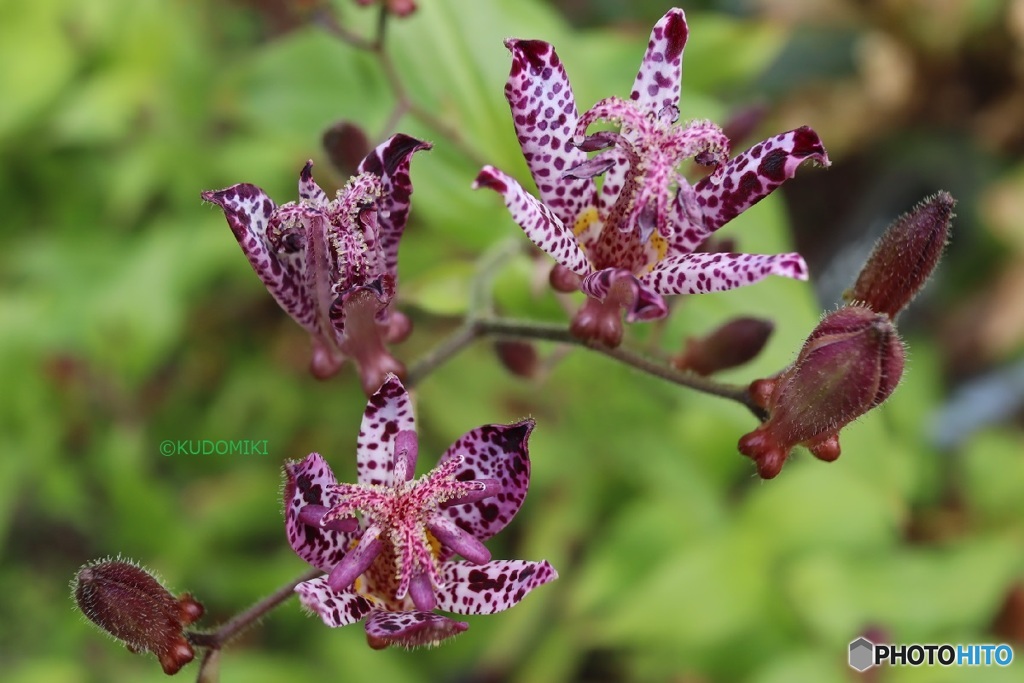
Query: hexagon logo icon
column 862, row 654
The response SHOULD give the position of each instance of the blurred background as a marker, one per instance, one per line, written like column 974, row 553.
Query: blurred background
column 128, row 316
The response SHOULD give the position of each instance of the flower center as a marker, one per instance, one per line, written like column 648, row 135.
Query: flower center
column 405, row 528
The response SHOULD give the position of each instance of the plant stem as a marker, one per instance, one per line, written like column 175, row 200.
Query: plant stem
column 243, row 620
column 404, row 103
column 503, row 328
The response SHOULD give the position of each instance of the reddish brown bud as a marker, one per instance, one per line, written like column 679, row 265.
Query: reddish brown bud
column 564, row 280
column 742, row 123
column 519, row 358
column 850, row 363
column 129, row 604
column 904, row 257
column 598, row 321
column 734, row 343
column 346, row 146
column 400, row 8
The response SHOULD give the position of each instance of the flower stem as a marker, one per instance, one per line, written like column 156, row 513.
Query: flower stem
column 243, row 620
column 404, row 103
column 523, row 330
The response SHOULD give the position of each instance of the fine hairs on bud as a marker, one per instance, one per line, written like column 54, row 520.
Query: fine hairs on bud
column 905, row 257
column 130, row 604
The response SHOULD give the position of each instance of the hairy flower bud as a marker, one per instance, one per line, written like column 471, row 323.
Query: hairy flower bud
column 850, row 363
column 904, row 257
column 129, row 604
column 734, row 343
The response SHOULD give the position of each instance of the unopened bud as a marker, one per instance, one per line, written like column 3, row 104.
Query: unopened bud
column 129, row 604
column 850, row 363
column 400, row 8
column 904, row 257
column 346, row 145
column 742, row 123
column 734, row 343
column 563, row 280
column 519, row 358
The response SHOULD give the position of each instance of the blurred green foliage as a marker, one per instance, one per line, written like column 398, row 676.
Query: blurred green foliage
column 130, row 317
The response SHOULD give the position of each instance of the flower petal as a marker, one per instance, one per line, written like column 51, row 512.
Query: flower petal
column 537, row 220
column 703, row 273
column 645, row 303
column 657, row 83
column 544, row 113
column 336, row 608
column 747, row 179
column 388, row 412
column 308, row 189
column 499, row 452
column 410, row 629
column 248, row 211
column 390, row 162
column 307, row 483
column 490, row 588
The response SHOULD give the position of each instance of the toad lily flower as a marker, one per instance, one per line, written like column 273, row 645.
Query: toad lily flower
column 636, row 239
column 332, row 264
column 394, row 565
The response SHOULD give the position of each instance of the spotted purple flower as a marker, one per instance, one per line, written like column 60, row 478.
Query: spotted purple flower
column 636, row 239
column 332, row 264
column 394, row 565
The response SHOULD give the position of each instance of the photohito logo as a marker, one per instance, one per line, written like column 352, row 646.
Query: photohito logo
column 864, row 654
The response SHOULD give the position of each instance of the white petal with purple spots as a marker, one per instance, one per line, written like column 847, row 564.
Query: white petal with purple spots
column 544, row 113
column 307, row 483
column 335, row 608
column 703, row 273
column 537, row 220
column 496, row 452
column 388, row 412
column 492, row 587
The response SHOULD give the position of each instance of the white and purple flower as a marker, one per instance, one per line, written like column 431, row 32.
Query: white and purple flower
column 393, row 565
column 636, row 239
column 332, row 264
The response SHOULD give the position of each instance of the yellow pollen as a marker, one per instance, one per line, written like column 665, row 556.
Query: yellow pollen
column 585, row 220
column 660, row 247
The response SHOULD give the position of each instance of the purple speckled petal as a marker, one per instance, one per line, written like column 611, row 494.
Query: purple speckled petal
column 492, row 587
column 411, row 629
column 645, row 303
column 388, row 412
column 248, row 210
column 309, row 190
column 544, row 113
column 537, row 220
column 702, row 273
column 499, row 452
column 657, row 83
column 336, row 608
column 307, row 483
column 390, row 161
column 747, row 179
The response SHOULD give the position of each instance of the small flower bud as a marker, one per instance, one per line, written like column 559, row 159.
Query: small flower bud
column 564, row 280
column 742, row 123
column 400, row 8
column 129, row 604
column 850, row 363
column 734, row 343
column 904, row 257
column 519, row 358
column 346, row 145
